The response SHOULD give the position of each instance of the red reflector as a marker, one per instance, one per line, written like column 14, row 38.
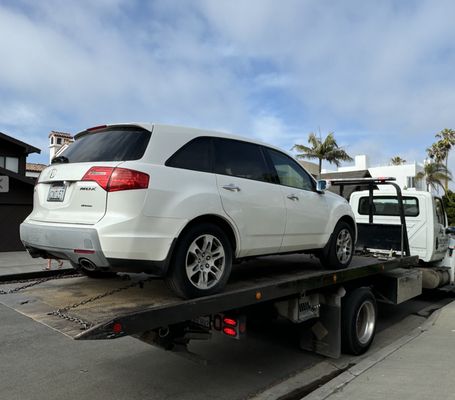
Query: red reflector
column 116, row 179
column 117, row 327
column 95, row 128
column 230, row 321
column 83, row 251
column 230, row 331
column 242, row 327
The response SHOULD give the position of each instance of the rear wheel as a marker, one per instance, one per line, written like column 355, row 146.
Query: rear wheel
column 202, row 262
column 339, row 251
column 358, row 321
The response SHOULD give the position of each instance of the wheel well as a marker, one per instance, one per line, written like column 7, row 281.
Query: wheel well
column 350, row 221
column 216, row 220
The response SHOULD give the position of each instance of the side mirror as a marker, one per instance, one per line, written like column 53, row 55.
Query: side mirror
column 321, row 186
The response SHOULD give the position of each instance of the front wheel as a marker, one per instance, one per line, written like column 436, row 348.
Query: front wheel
column 202, row 262
column 339, row 251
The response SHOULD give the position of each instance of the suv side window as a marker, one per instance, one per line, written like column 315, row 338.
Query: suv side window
column 194, row 155
column 289, row 172
column 240, row 159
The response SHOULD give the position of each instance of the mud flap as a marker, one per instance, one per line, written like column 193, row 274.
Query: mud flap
column 323, row 335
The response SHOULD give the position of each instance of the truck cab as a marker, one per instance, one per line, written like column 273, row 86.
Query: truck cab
column 426, row 219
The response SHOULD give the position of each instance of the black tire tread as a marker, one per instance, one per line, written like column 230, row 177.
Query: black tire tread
column 350, row 305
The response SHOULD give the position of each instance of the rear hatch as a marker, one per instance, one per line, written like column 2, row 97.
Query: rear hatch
column 74, row 188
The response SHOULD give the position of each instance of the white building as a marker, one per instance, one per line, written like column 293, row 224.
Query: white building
column 404, row 174
column 56, row 141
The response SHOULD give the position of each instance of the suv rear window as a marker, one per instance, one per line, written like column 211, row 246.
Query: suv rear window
column 388, row 206
column 117, row 144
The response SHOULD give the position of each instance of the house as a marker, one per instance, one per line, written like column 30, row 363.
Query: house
column 404, row 173
column 16, row 190
column 56, row 141
column 348, row 189
column 32, row 170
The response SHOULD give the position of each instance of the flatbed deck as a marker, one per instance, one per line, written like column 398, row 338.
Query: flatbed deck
column 84, row 308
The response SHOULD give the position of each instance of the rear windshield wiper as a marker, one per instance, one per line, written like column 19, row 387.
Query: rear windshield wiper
column 60, row 159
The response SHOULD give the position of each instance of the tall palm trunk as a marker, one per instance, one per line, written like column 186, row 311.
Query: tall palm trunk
column 320, row 168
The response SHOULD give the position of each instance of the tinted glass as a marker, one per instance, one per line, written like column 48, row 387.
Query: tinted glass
column 119, row 144
column 289, row 172
column 195, row 155
column 388, row 206
column 241, row 159
column 440, row 215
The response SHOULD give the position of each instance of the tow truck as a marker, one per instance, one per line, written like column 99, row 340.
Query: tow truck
column 336, row 310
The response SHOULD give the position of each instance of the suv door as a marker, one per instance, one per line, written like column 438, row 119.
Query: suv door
column 307, row 211
column 248, row 196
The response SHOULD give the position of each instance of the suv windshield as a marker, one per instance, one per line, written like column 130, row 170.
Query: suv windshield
column 116, row 144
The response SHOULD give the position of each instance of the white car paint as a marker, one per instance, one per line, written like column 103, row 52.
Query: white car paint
column 142, row 224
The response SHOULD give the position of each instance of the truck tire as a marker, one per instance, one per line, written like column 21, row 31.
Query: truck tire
column 340, row 249
column 201, row 263
column 358, row 321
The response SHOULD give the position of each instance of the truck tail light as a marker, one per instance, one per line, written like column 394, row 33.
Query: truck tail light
column 114, row 179
column 232, row 326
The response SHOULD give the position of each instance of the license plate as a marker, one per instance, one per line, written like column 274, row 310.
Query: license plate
column 56, row 193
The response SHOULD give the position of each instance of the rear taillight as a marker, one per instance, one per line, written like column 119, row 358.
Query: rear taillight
column 115, row 179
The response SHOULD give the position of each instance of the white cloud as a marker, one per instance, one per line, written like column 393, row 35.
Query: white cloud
column 379, row 74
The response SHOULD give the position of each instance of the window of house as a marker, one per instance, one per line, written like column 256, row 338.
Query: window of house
column 289, row 172
column 241, row 159
column 410, row 182
column 388, row 206
column 12, row 163
column 194, row 155
column 59, row 140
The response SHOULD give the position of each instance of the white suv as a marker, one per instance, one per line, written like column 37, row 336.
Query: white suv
column 180, row 203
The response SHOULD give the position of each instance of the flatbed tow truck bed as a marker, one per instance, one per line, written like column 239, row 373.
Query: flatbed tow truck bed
column 84, row 308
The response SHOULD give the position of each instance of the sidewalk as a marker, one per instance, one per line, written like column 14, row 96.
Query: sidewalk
column 14, row 262
column 418, row 366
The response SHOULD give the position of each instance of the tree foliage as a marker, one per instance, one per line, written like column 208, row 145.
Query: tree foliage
column 439, row 151
column 397, row 160
column 449, row 206
column 326, row 149
column 435, row 174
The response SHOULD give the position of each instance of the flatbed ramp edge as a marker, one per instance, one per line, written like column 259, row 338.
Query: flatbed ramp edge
column 86, row 309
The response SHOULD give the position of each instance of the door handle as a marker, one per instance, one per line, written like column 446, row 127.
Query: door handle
column 231, row 187
column 292, row 197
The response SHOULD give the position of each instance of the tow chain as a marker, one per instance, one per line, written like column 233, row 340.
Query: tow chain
column 63, row 312
column 33, row 283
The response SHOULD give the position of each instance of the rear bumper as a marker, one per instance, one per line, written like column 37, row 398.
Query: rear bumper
column 66, row 243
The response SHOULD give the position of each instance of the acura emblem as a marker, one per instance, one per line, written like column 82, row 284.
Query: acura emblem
column 53, row 172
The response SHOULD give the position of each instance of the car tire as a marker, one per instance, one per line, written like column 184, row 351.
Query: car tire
column 340, row 249
column 93, row 273
column 358, row 321
column 201, row 263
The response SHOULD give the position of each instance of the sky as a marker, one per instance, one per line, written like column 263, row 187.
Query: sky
column 377, row 73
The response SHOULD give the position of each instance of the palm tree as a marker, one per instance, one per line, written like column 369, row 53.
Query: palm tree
column 434, row 174
column 322, row 150
column 439, row 151
column 397, row 160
